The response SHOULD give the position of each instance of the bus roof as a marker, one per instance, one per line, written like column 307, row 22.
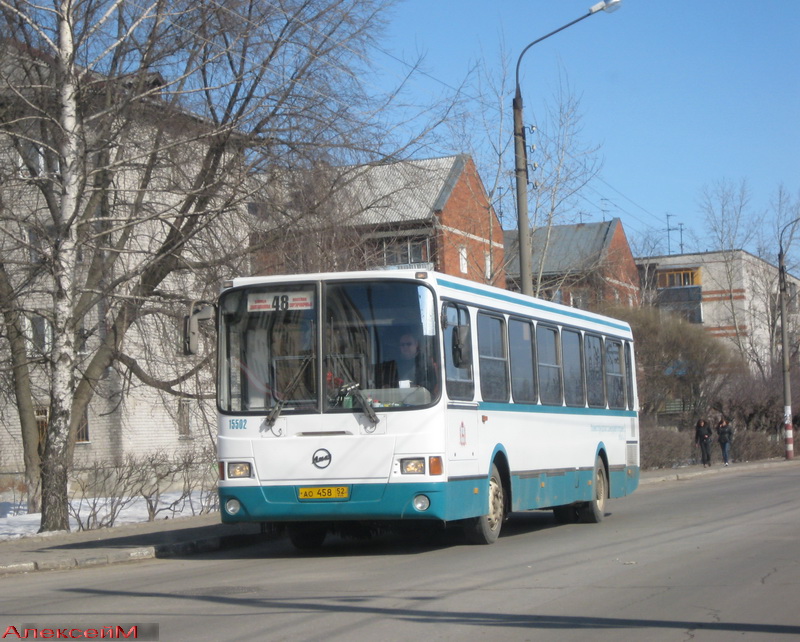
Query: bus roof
column 454, row 287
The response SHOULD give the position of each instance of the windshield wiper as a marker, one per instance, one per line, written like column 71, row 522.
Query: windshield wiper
column 278, row 407
column 354, row 389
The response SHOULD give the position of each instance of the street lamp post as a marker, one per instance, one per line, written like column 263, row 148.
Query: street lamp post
column 787, row 384
column 521, row 156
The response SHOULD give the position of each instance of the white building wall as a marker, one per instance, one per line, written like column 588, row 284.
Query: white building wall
column 739, row 296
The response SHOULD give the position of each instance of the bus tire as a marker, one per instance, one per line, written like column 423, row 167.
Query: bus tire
column 593, row 511
column 486, row 528
column 307, row 536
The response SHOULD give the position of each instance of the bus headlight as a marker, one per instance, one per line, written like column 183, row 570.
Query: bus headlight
column 238, row 469
column 415, row 466
column 421, row 503
column 232, row 506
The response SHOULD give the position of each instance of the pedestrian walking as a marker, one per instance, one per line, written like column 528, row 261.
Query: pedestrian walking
column 702, row 439
column 725, row 437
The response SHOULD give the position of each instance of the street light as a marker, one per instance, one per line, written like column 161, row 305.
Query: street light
column 521, row 156
column 787, row 385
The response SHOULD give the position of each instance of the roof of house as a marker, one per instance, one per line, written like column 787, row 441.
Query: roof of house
column 404, row 191
column 569, row 248
column 399, row 193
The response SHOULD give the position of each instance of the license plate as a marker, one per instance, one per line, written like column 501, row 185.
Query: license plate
column 325, row 492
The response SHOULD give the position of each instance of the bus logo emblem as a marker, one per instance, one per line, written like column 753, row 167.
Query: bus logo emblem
column 321, row 458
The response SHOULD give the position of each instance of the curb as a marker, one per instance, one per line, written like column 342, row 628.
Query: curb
column 654, row 477
column 172, row 549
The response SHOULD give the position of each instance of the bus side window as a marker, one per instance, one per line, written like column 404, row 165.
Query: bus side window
column 629, row 376
column 458, row 352
column 595, row 382
column 615, row 384
column 520, row 343
column 492, row 357
column 572, row 352
column 549, row 365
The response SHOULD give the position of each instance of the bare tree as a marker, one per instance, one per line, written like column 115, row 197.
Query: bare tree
column 130, row 133
column 754, row 319
column 560, row 163
column 565, row 166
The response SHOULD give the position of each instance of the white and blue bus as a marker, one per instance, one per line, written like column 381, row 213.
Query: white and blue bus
column 393, row 396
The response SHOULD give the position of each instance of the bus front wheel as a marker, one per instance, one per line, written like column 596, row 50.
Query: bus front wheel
column 486, row 528
column 593, row 511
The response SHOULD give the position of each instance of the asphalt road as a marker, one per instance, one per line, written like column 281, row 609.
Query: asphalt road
column 708, row 558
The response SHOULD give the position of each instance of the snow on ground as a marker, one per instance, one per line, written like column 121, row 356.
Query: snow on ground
column 15, row 522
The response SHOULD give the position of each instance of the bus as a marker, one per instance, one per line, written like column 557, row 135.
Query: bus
column 378, row 398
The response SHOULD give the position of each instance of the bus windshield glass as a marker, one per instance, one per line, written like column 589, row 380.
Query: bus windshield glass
column 335, row 350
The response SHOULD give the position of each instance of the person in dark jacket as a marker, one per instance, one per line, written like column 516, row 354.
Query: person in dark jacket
column 725, row 437
column 702, row 438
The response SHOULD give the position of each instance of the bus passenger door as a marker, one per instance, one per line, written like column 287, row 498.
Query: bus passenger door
column 462, row 409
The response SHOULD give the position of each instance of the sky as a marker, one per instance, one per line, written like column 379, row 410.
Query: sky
column 678, row 94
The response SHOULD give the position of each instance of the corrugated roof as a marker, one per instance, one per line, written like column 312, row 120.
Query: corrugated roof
column 570, row 248
column 403, row 192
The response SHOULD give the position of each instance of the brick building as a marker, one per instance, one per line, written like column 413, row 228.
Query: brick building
column 429, row 214
column 581, row 265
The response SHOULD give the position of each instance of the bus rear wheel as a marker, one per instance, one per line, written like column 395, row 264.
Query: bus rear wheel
column 307, row 536
column 486, row 528
column 593, row 511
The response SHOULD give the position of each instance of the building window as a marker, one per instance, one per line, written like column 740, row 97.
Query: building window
column 42, row 415
column 82, row 435
column 678, row 278
column 184, row 419
column 39, row 332
column 462, row 259
column 407, row 251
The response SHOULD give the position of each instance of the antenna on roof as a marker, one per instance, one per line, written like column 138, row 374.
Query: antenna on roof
column 669, row 229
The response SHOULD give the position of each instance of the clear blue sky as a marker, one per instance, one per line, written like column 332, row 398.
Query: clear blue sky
column 678, row 93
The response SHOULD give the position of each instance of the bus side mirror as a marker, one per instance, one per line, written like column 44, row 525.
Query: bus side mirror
column 462, row 347
column 198, row 311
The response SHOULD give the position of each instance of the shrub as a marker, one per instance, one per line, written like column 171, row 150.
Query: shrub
column 665, row 448
column 749, row 445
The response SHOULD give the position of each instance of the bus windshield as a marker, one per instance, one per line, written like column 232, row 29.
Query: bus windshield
column 331, row 350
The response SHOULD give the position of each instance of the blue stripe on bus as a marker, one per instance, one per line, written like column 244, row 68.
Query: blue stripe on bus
column 555, row 410
column 507, row 298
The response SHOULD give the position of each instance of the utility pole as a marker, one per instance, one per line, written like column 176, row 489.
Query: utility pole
column 521, row 156
column 787, row 385
column 669, row 230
